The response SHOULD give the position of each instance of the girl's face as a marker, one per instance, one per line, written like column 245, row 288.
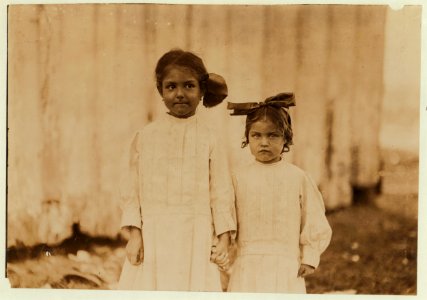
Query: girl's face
column 266, row 141
column 181, row 92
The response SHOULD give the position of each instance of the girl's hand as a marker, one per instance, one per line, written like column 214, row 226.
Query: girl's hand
column 219, row 252
column 305, row 270
column 135, row 247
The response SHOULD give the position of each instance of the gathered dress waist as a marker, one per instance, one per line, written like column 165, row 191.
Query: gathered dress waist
column 267, row 247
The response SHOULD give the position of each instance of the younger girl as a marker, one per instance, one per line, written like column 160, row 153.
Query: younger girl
column 179, row 200
column 282, row 228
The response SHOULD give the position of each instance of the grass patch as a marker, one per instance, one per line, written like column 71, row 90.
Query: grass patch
column 372, row 251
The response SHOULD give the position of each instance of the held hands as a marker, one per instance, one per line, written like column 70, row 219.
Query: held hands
column 219, row 252
column 305, row 270
column 135, row 247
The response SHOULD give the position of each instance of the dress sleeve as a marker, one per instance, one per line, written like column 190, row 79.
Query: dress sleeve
column 129, row 188
column 221, row 191
column 315, row 230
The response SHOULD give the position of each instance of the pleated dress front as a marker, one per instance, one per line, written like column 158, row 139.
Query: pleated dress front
column 180, row 193
column 281, row 224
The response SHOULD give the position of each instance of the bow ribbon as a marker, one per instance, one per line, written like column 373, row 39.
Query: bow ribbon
column 282, row 100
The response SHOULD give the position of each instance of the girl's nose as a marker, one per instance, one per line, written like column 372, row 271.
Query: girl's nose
column 264, row 141
column 179, row 93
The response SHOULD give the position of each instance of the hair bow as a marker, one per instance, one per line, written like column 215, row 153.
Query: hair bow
column 215, row 89
column 282, row 100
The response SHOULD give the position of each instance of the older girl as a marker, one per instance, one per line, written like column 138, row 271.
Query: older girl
column 179, row 200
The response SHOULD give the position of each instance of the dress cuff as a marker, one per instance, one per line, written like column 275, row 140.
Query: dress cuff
column 131, row 218
column 224, row 222
column 310, row 256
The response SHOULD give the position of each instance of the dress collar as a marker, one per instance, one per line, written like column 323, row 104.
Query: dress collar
column 174, row 120
column 271, row 165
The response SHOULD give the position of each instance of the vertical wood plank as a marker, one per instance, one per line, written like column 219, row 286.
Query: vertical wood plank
column 310, row 115
column 367, row 95
column 342, row 46
column 24, row 138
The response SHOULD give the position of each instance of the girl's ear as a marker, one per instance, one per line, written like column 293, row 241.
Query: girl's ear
column 285, row 146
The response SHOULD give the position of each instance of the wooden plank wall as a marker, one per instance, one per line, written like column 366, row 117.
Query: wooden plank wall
column 81, row 81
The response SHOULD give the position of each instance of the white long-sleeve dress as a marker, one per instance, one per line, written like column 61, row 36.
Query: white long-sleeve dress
column 281, row 224
column 179, row 191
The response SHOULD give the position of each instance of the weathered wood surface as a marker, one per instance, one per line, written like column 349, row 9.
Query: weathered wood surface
column 341, row 60
column 81, row 81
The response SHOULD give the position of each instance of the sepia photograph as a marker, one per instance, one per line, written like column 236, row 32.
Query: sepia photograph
column 268, row 149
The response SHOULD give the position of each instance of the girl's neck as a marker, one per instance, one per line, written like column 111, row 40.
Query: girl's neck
column 185, row 117
column 275, row 163
column 175, row 119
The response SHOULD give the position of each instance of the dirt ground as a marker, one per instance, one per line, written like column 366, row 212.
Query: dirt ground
column 373, row 248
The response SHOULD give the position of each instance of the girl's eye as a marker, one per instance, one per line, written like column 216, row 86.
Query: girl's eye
column 190, row 85
column 255, row 135
column 274, row 136
column 170, row 86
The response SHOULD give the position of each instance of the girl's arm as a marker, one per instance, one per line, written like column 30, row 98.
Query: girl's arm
column 315, row 230
column 221, row 192
column 131, row 221
column 129, row 189
column 222, row 203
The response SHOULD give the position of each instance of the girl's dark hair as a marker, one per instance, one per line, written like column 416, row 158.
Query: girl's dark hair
column 177, row 57
column 279, row 116
column 181, row 58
